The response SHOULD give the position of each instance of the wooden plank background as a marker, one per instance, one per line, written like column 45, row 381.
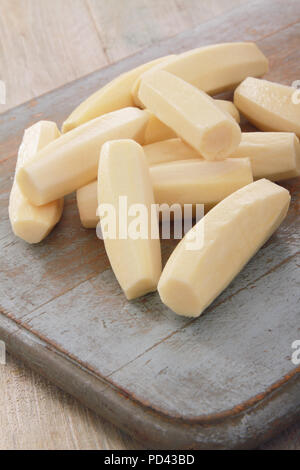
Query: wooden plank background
column 43, row 45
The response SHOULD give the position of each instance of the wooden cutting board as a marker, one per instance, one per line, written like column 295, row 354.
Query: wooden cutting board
column 224, row 380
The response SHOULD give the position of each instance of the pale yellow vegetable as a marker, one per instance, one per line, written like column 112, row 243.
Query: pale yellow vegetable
column 214, row 68
column 273, row 155
column 29, row 222
column 215, row 250
column 123, row 171
column 72, row 160
column 168, row 151
column 115, row 95
column 191, row 113
column 156, row 130
column 199, row 181
column 229, row 107
column 268, row 105
column 87, row 204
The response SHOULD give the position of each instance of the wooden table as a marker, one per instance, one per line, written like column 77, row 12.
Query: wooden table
column 45, row 44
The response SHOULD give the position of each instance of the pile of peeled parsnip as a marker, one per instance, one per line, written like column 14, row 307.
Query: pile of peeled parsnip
column 155, row 135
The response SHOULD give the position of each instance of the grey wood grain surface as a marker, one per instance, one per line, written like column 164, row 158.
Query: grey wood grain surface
column 72, row 263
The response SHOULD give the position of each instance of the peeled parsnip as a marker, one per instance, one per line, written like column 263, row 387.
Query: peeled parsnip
column 169, row 151
column 273, row 155
column 87, row 204
column 136, row 262
column 215, row 250
column 156, row 130
column 199, row 181
column 72, row 160
column 191, row 113
column 214, row 68
column 269, row 106
column 113, row 96
column 29, row 222
column 229, row 107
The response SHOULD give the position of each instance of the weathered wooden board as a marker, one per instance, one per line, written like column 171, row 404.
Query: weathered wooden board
column 225, row 380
